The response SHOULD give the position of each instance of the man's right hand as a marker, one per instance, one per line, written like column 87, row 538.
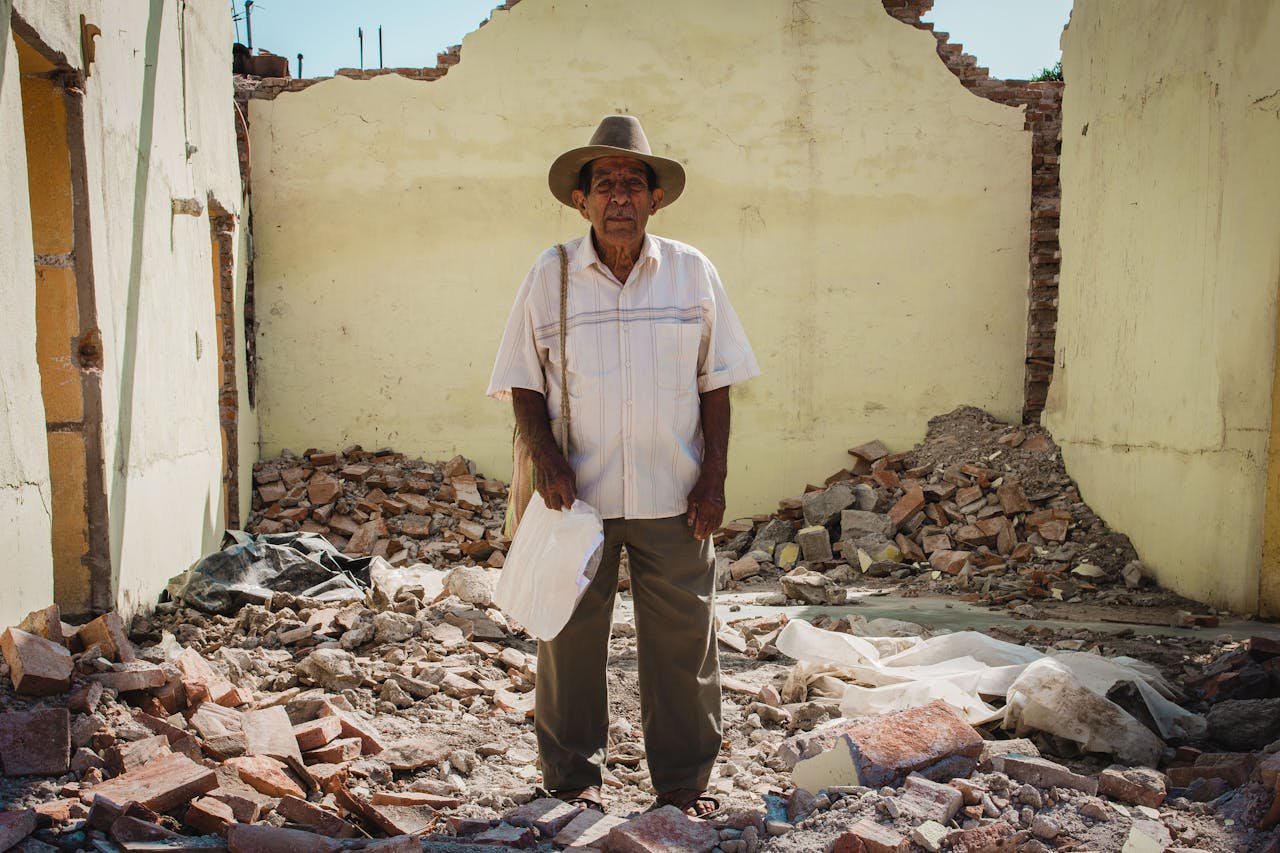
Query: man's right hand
column 554, row 479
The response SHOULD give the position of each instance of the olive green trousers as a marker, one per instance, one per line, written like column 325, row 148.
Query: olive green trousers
column 673, row 587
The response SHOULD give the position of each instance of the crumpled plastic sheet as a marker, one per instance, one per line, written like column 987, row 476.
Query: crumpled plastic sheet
column 964, row 669
column 252, row 568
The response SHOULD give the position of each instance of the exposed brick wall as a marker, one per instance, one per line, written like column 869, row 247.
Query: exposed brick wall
column 1043, row 102
column 223, row 227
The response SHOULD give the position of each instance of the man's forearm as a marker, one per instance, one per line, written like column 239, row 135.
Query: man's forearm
column 715, row 432
column 533, row 421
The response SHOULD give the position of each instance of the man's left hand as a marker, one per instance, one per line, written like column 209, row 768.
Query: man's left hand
column 706, row 505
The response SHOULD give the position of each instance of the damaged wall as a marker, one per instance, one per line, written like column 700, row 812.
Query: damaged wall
column 1161, row 398
column 160, row 87
column 25, row 507
column 868, row 215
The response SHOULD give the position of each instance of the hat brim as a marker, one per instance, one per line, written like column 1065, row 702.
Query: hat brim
column 563, row 176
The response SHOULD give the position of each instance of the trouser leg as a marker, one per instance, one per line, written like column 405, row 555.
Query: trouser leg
column 673, row 586
column 571, row 714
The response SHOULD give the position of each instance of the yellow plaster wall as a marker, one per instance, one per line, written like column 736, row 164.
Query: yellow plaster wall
column 25, row 507
column 1170, row 237
column 151, row 269
column 868, row 216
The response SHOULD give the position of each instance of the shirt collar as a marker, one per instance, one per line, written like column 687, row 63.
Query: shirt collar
column 586, row 254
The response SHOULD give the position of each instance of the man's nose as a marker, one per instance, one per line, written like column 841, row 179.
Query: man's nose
column 620, row 194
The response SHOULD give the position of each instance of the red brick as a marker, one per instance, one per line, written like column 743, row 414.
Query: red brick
column 930, row 800
column 60, row 811
column 210, row 816
column 871, row 837
column 269, row 732
column 980, row 839
column 134, row 676
column 907, row 506
column 886, row 749
column 127, row 829
column 416, row 798
column 1013, row 499
column 266, row 775
column 35, row 743
column 38, row 667
column 317, row 733
column 949, row 562
column 665, row 830
column 45, row 623
column 548, row 815
column 870, row 452
column 1138, row 786
column 202, row 681
column 108, row 632
column 15, row 826
column 1043, row 773
column 263, row 838
column 323, row 489
column 335, row 752
column 1233, row 768
column 393, row 820
column 328, row 776
column 130, row 755
column 163, row 784
column 311, row 816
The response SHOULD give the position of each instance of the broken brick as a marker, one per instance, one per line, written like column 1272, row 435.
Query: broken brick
column 264, row 838
column 318, row 732
column 108, row 633
column 210, row 816
column 867, row 836
column 886, row 749
column 548, row 815
column 162, row 784
column 907, row 506
column 129, row 755
column 1139, row 786
column 664, row 830
column 35, row 743
column 269, row 732
column 38, row 667
column 311, row 816
column 267, row 775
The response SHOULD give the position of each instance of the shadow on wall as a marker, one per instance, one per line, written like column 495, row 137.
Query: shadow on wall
column 129, row 340
column 6, row 13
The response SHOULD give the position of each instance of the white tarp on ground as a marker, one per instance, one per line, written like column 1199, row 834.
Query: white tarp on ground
column 1063, row 694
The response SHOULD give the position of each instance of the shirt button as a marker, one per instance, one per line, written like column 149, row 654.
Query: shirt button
column 628, row 402
column 628, row 363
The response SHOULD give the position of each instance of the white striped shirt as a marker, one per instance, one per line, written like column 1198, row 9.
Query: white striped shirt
column 639, row 355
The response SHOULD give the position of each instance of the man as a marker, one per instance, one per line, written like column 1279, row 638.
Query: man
column 652, row 346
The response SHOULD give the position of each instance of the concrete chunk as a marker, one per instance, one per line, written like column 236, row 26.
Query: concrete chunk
column 38, row 667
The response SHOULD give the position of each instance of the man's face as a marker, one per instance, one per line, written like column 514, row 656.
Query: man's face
column 619, row 201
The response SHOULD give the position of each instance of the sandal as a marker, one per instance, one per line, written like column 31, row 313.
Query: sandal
column 584, row 798
column 693, row 803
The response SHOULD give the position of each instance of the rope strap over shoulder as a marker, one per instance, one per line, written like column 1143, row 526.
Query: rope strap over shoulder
column 565, row 416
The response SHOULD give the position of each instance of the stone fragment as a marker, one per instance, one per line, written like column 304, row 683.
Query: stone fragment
column 786, row 555
column 35, row 743
column 266, row 775
column 771, row 534
column 1043, row 773
column 318, row 732
column 587, row 831
column 664, row 830
column 471, row 584
column 929, row 835
column 1013, row 746
column 822, row 507
column 162, row 784
column 311, row 816
column 128, row 830
column 1147, row 836
column 742, row 569
column 1245, row 724
column 415, row 753
column 885, row 749
column 1234, row 768
column 108, row 633
column 867, row 836
column 15, row 826
column 1139, row 786
column 332, row 669
column 812, row 588
column 856, row 523
column 815, row 543
column 37, row 667
column 45, row 623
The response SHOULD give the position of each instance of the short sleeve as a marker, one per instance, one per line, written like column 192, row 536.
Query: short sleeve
column 728, row 359
column 519, row 364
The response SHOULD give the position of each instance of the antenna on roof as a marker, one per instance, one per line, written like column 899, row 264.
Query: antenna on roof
column 299, row 66
column 360, row 36
column 380, row 65
column 248, row 23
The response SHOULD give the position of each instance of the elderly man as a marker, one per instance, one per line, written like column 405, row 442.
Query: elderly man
column 651, row 348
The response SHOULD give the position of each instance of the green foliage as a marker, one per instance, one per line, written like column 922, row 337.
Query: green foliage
column 1054, row 73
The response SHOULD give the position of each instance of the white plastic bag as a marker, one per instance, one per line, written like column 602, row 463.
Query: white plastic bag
column 551, row 562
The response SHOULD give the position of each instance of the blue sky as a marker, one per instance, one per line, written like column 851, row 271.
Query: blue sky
column 1014, row 38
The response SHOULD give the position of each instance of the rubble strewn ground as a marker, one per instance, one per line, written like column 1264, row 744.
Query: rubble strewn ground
column 402, row 712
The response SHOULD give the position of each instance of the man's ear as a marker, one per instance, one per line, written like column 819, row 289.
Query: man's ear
column 657, row 197
column 580, row 202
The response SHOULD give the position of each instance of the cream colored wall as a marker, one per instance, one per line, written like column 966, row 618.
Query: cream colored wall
column 151, row 267
column 1161, row 398
column 868, row 215
column 25, row 507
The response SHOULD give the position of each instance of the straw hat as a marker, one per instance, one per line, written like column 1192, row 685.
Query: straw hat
column 617, row 136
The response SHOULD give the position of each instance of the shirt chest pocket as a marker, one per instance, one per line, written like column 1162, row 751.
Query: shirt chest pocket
column 676, row 358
